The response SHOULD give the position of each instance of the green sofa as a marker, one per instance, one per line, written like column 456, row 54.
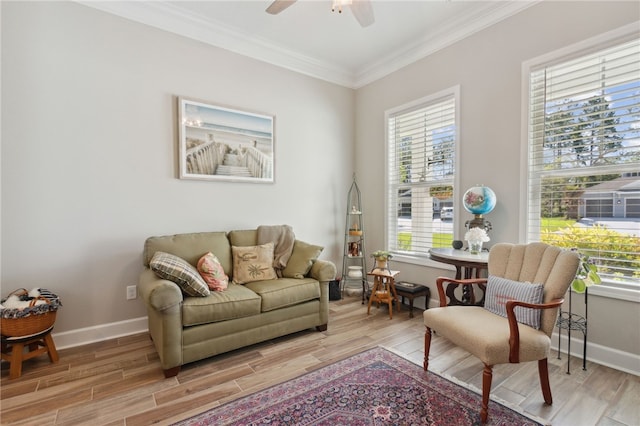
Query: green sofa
column 185, row 328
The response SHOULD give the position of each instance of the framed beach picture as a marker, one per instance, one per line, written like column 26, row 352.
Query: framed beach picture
column 224, row 144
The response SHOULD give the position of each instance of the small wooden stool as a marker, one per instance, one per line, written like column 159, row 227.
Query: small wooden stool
column 37, row 344
column 384, row 290
column 411, row 291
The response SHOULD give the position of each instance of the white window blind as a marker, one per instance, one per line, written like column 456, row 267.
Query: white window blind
column 584, row 159
column 421, row 142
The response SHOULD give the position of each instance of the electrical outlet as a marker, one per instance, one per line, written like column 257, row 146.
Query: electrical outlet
column 132, row 292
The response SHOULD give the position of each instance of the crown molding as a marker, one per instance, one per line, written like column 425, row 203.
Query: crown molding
column 463, row 26
column 176, row 20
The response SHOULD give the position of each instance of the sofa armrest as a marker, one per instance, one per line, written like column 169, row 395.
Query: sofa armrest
column 158, row 293
column 323, row 271
column 163, row 300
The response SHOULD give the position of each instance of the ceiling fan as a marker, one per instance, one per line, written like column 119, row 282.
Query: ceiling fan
column 362, row 9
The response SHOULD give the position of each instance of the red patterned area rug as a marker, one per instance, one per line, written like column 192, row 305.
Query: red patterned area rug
column 375, row 387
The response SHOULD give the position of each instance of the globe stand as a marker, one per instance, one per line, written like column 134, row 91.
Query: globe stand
column 478, row 222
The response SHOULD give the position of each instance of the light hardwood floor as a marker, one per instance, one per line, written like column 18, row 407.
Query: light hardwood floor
column 119, row 382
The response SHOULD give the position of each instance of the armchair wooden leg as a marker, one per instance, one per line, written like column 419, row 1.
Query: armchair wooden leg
column 487, row 376
column 427, row 347
column 543, row 372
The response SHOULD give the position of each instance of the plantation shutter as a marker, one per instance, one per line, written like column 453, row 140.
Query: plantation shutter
column 584, row 158
column 421, row 141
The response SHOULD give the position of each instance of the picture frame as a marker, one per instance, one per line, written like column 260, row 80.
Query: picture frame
column 220, row 143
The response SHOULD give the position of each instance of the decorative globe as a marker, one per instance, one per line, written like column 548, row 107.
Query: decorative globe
column 479, row 200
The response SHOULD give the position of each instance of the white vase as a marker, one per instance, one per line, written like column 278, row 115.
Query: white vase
column 475, row 246
column 355, row 272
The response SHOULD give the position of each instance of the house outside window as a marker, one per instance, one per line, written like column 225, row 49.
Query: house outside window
column 583, row 140
column 421, row 164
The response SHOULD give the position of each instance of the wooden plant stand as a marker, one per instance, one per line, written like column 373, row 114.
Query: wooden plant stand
column 384, row 290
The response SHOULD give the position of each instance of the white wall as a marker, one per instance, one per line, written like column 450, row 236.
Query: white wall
column 89, row 147
column 487, row 66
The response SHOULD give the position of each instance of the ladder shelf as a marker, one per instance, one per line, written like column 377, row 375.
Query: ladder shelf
column 354, row 259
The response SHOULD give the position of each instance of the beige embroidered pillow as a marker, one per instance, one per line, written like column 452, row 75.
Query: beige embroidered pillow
column 253, row 263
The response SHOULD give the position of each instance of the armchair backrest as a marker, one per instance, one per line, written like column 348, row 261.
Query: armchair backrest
column 541, row 263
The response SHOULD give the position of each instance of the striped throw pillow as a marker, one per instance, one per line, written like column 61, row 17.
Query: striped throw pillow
column 500, row 290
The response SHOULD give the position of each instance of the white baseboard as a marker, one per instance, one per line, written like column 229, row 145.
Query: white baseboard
column 609, row 357
column 85, row 336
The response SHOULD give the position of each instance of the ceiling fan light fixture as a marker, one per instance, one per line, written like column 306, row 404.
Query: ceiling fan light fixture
column 338, row 4
column 361, row 9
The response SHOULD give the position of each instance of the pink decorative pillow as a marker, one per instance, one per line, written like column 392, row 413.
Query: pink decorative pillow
column 212, row 272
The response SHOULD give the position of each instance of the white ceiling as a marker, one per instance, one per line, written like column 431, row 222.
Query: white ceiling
column 309, row 38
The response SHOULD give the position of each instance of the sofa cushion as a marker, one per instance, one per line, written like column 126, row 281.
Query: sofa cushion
column 236, row 301
column 212, row 272
column 501, row 290
column 179, row 271
column 301, row 259
column 284, row 292
column 243, row 237
column 253, row 263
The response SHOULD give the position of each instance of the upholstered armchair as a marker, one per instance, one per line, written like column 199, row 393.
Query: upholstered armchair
column 525, row 287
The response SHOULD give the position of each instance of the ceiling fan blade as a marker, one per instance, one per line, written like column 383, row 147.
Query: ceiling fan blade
column 363, row 11
column 279, row 5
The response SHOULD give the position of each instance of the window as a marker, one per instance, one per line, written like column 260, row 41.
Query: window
column 421, row 155
column 584, row 158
